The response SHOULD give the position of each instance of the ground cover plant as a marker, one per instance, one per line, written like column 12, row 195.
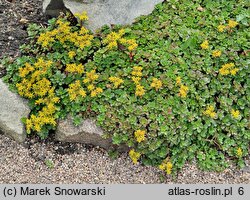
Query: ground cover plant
column 174, row 86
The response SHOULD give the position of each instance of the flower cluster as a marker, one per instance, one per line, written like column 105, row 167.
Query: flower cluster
column 231, row 24
column 75, row 90
column 137, row 74
column 183, row 91
column 35, row 85
column 221, row 28
column 32, row 84
column 113, row 39
column 116, row 81
column 44, row 116
column 82, row 16
column 205, row 45
column 210, row 112
column 24, row 71
column 239, row 152
column 71, row 54
column 74, row 68
column 166, row 166
column 91, row 77
column 156, row 83
column 96, row 91
column 235, row 113
column 65, row 33
column 134, row 156
column 216, row 53
column 228, row 69
column 178, row 80
column 139, row 135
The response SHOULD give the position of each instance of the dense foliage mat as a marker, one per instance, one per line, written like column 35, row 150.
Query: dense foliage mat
column 174, row 86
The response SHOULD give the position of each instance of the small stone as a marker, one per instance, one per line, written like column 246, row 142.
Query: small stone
column 23, row 21
column 246, row 169
column 11, row 38
column 200, row 9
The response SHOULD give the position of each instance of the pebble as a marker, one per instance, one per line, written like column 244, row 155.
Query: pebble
column 11, row 38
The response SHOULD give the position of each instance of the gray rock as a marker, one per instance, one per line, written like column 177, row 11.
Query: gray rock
column 103, row 12
column 12, row 109
column 87, row 132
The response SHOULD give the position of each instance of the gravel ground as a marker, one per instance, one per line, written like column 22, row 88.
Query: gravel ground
column 78, row 163
column 53, row 162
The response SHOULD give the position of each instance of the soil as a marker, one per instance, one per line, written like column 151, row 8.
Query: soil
column 15, row 15
column 14, row 18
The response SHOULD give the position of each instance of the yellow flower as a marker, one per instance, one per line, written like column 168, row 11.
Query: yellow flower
column 86, row 80
column 121, row 32
column 166, row 166
column 234, row 71
column 73, row 68
column 29, row 125
column 132, row 44
column 71, row 54
column 139, row 90
column 112, row 44
column 134, row 156
column 24, row 71
column 178, row 80
column 99, row 90
column 169, row 167
column 91, row 87
column 210, row 112
column 91, row 76
column 116, row 81
column 112, row 39
column 84, row 31
column 205, row 45
column 83, row 16
column 235, row 113
column 139, row 135
column 157, row 84
column 232, row 23
column 228, row 69
column 136, row 79
column 216, row 53
column 137, row 71
column 41, row 87
column 221, row 28
column 45, row 39
column 183, row 91
column 239, row 152
column 82, row 93
column 95, row 92
column 75, row 89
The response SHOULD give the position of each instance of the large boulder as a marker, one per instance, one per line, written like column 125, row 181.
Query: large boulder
column 103, row 12
column 87, row 132
column 12, row 109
